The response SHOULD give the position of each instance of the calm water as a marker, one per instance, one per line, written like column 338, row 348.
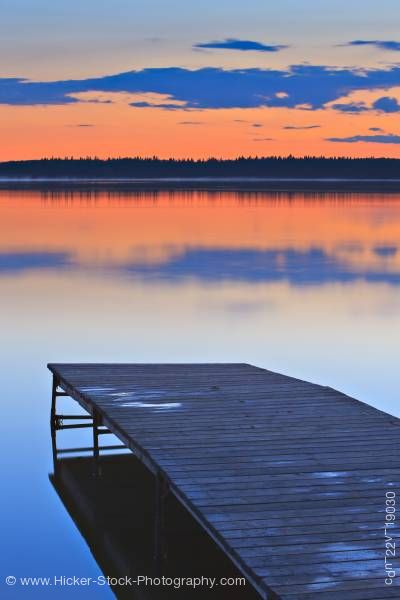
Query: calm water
column 308, row 285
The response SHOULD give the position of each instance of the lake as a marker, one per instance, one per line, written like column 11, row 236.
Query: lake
column 307, row 284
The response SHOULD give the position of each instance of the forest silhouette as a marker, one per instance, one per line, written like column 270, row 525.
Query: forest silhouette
column 272, row 167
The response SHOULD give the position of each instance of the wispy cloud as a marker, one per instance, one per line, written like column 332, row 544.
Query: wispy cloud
column 389, row 138
column 169, row 105
column 241, row 45
column 301, row 127
column 191, row 123
column 381, row 44
column 351, row 107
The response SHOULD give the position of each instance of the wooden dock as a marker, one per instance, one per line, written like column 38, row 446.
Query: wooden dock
column 289, row 478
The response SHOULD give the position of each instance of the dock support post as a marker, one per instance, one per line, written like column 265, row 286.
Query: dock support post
column 96, row 450
column 53, row 423
column 160, row 550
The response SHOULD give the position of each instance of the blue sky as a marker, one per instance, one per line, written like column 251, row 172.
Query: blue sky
column 93, row 37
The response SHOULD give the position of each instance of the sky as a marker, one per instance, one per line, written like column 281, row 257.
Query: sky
column 227, row 78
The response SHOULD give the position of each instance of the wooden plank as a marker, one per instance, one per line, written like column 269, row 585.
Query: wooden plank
column 263, row 538
column 340, row 590
column 288, row 477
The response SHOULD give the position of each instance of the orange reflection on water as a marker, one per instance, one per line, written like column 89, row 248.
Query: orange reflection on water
column 308, row 284
column 104, row 228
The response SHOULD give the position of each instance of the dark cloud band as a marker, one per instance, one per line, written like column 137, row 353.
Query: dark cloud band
column 307, row 86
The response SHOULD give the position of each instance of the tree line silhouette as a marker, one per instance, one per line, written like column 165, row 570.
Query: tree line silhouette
column 154, row 167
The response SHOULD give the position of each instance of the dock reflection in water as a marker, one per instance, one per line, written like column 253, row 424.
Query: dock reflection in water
column 115, row 514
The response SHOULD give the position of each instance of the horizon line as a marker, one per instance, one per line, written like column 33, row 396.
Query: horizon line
column 239, row 157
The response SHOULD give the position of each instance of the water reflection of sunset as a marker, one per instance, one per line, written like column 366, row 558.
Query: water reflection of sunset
column 361, row 232
column 303, row 284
